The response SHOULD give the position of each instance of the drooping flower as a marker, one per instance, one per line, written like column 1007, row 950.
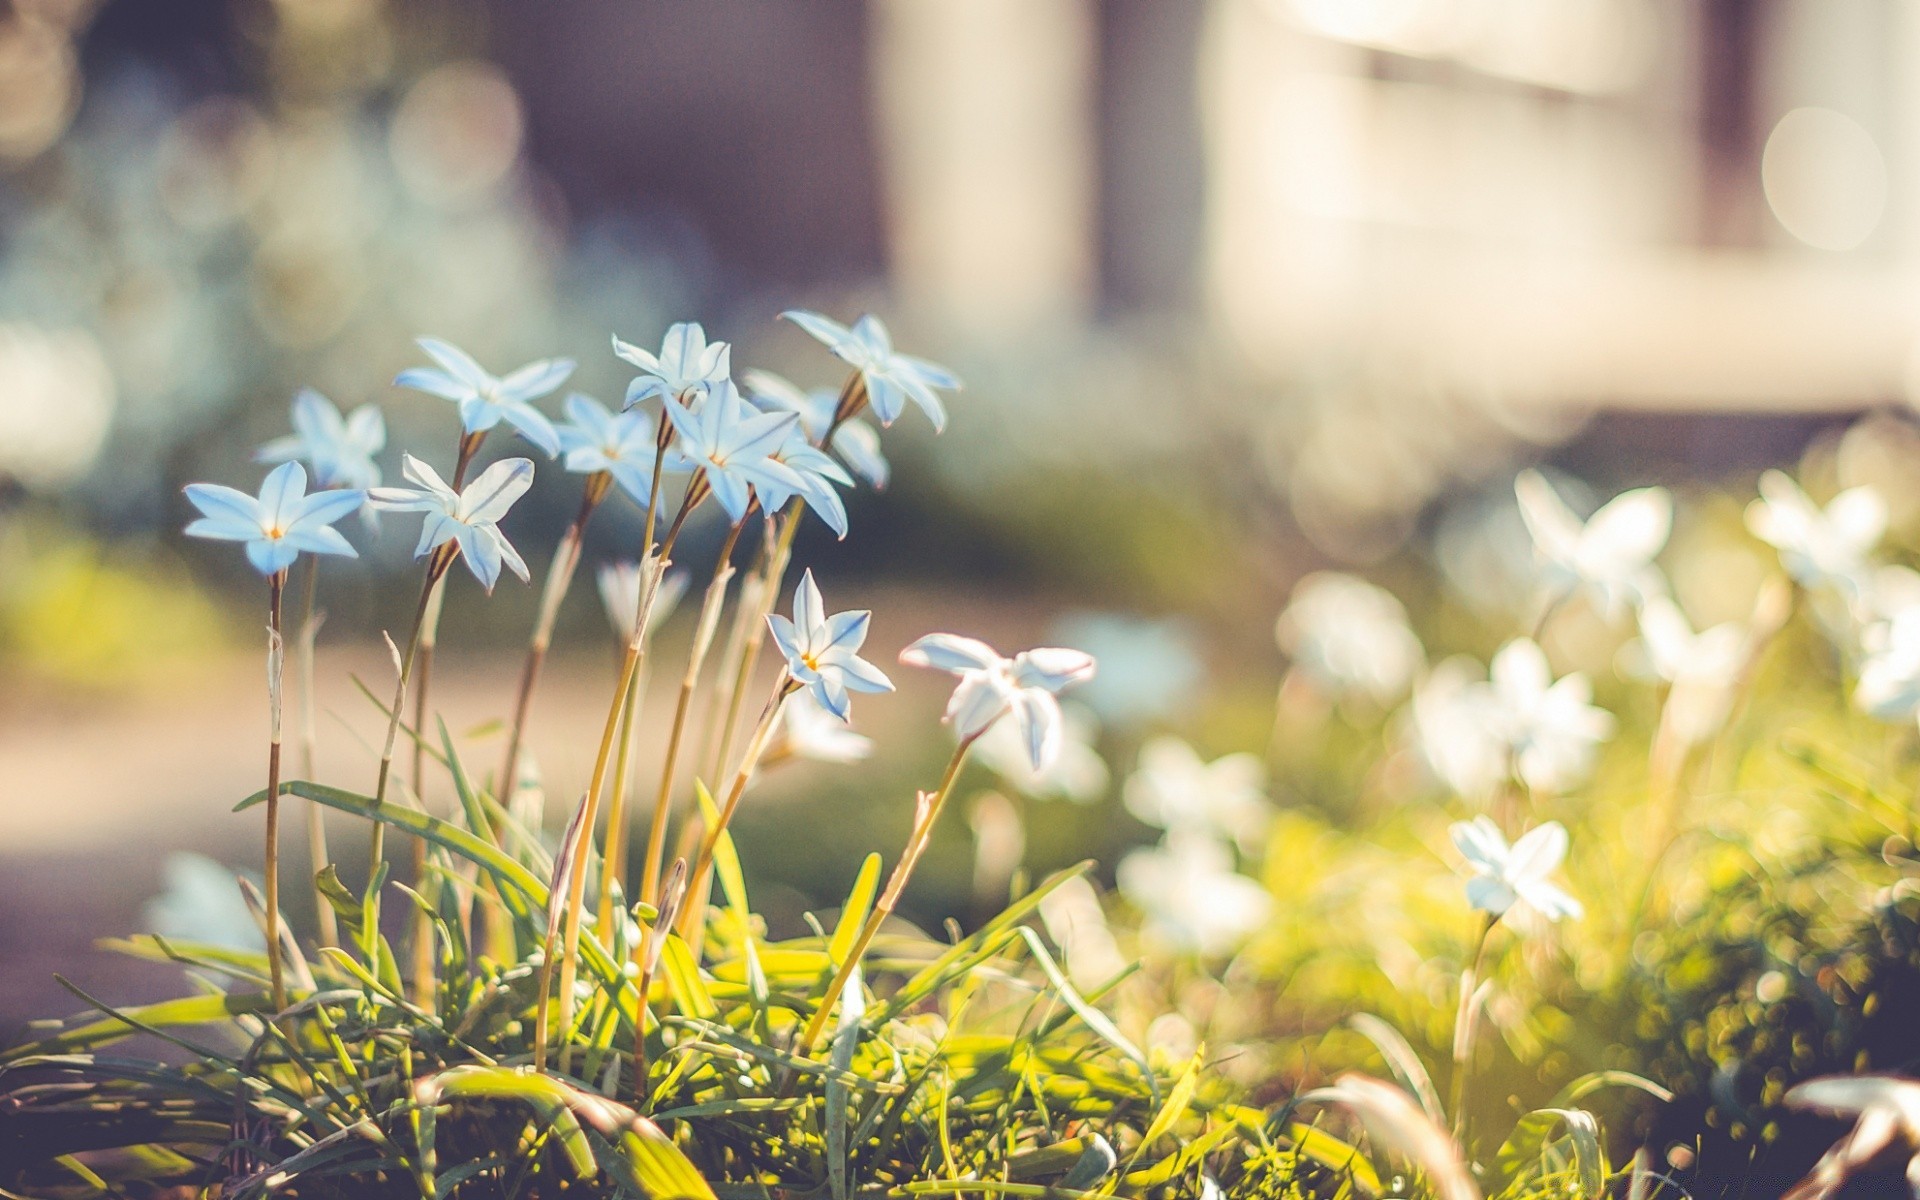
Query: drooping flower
column 485, row 399
column 687, row 366
column 1191, row 896
column 1819, row 547
column 619, row 584
column 280, row 523
column 990, row 686
column 809, row 731
column 891, row 378
column 1610, row 555
column 338, row 450
column 822, row 651
column 469, row 517
column 623, row 445
column 733, row 445
column 1077, row 772
column 1173, row 788
column 1550, row 726
column 1348, row 636
column 1501, row 876
column 817, row 473
column 1886, row 1130
column 856, row 442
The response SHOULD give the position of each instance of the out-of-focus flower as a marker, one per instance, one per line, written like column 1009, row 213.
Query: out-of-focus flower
column 687, row 366
column 1819, row 547
column 1551, row 727
column 619, row 584
column 1886, row 1112
column 621, row 444
column 856, row 442
column 280, row 523
column 817, row 473
column 469, row 517
column 1889, row 686
column 891, row 378
column 1191, row 896
column 822, row 651
column 1610, row 556
column 1078, row 925
column 1077, row 772
column 990, row 686
column 339, row 449
column 1457, row 728
column 1347, row 635
column 485, row 400
column 1174, row 789
column 733, row 445
column 1701, row 668
column 1149, row 668
column 1500, row 876
column 201, row 902
column 813, row 733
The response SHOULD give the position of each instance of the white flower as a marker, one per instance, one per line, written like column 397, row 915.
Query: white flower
column 623, row 445
column 686, row 367
column 278, row 524
column 485, row 399
column 891, row 378
column 1702, row 668
column 813, row 733
column 1191, row 896
column 1889, row 686
column 619, row 584
column 1610, row 555
column 1349, row 636
column 1550, row 727
column 1173, row 789
column 1502, row 875
column 733, row 446
column 1819, row 547
column 469, row 517
column 821, row 650
column 1456, row 725
column 990, row 686
column 1077, row 772
column 338, row 449
column 815, row 473
column 1887, row 1112
column 855, row 441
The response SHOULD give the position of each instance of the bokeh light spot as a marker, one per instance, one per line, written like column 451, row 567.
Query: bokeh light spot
column 1824, row 178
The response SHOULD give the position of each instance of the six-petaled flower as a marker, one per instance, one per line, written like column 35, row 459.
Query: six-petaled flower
column 687, row 366
column 621, row 444
column 1501, row 876
column 732, row 445
column 469, row 518
column 278, row 524
column 822, row 651
column 337, row 449
column 891, row 378
column 990, row 686
column 486, row 399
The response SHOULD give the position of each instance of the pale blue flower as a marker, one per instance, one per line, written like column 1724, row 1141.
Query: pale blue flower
column 485, row 400
column 817, row 473
column 686, row 368
column 1502, row 876
column 338, row 449
column 822, row 651
column 469, row 517
column 856, row 442
column 991, row 686
column 891, row 378
column 817, row 735
column 623, row 445
column 733, row 446
column 280, row 523
column 202, row 904
column 1151, row 669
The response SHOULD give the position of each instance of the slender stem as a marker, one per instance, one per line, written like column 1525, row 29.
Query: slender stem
column 690, row 680
column 696, row 910
column 716, row 744
column 1465, row 1025
column 276, row 583
column 773, row 572
column 566, row 560
column 927, row 816
column 317, row 855
column 437, row 565
column 613, row 866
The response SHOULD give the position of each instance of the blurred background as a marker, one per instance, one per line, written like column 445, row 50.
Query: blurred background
column 1240, row 288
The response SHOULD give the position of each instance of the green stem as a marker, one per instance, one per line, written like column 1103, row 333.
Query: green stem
column 927, row 816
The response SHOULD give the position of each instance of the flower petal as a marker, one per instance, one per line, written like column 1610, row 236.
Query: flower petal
column 488, row 498
column 950, row 652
